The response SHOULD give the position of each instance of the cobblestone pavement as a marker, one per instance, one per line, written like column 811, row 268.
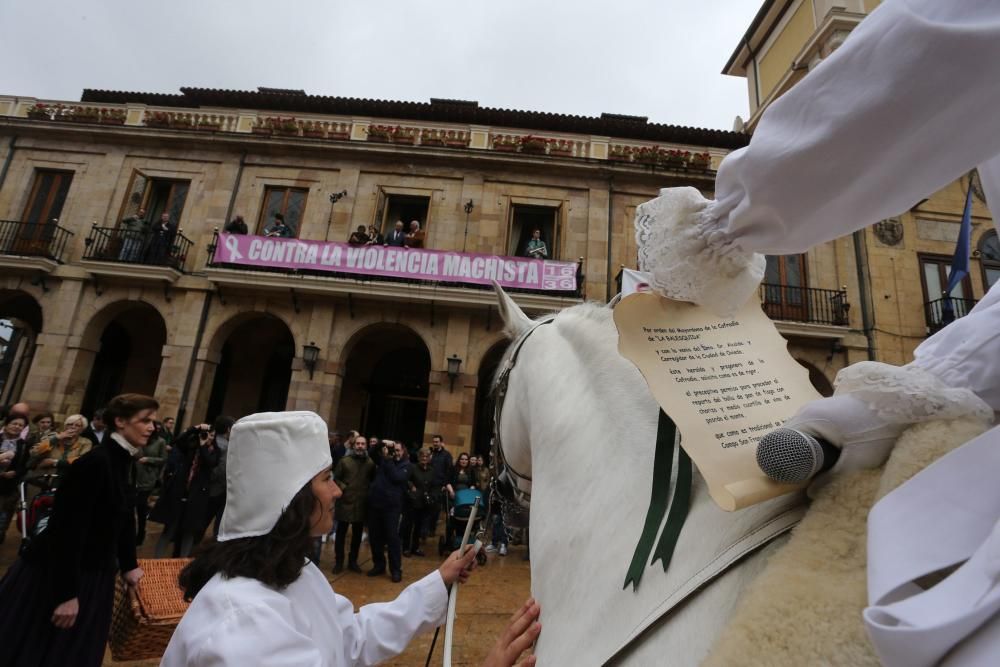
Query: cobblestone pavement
column 484, row 604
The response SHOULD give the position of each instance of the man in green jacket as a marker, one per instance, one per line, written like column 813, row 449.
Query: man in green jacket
column 353, row 474
column 148, row 467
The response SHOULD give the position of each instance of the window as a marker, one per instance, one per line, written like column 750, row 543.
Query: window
column 524, row 220
column 156, row 196
column 289, row 202
column 784, row 287
column 48, row 194
column 402, row 207
column 939, row 311
column 989, row 258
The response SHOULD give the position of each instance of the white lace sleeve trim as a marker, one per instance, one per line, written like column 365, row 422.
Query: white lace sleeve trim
column 689, row 256
column 908, row 394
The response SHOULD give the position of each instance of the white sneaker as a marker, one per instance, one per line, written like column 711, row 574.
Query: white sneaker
column 364, row 537
column 503, row 550
column 490, row 548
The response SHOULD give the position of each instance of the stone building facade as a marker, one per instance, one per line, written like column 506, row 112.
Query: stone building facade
column 393, row 358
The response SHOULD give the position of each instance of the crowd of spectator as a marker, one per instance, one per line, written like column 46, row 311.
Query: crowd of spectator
column 399, row 237
column 394, row 495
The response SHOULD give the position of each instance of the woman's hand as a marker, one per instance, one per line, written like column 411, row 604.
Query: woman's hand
column 458, row 566
column 521, row 632
column 132, row 577
column 65, row 614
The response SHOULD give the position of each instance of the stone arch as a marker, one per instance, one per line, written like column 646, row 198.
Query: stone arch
column 483, row 425
column 121, row 350
column 386, row 382
column 817, row 378
column 355, row 331
column 252, row 354
column 21, row 322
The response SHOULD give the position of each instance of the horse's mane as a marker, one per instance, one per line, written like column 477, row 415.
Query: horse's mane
column 570, row 321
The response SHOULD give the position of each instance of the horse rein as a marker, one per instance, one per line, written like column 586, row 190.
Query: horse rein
column 499, row 462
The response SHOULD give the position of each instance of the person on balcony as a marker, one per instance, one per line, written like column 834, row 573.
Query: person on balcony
column 415, row 238
column 536, row 248
column 236, row 226
column 374, row 238
column 134, row 233
column 397, row 237
column 279, row 229
column 161, row 240
column 358, row 237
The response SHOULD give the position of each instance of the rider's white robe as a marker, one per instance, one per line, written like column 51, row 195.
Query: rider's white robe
column 240, row 621
column 909, row 103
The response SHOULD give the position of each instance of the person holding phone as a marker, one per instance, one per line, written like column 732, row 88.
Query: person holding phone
column 184, row 504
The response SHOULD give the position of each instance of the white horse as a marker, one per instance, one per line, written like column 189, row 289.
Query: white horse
column 579, row 420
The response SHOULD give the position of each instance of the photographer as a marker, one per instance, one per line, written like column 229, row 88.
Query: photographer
column 385, row 504
column 183, row 506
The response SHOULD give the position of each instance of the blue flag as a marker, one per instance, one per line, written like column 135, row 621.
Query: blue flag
column 960, row 263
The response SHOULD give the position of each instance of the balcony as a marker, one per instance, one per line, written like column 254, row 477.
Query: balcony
column 31, row 246
column 941, row 312
column 115, row 252
column 805, row 304
column 241, row 262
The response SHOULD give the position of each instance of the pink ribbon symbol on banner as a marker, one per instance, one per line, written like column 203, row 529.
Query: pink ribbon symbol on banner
column 233, row 246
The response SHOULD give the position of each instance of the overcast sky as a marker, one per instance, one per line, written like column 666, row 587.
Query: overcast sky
column 656, row 58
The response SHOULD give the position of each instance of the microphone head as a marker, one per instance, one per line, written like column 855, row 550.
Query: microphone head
column 788, row 456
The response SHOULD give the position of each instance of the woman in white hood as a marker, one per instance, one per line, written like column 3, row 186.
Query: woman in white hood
column 257, row 600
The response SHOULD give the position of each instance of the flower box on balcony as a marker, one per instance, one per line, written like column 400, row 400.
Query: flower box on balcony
column 700, row 161
column 285, row 132
column 208, row 127
column 431, row 141
column 112, row 120
column 561, row 151
column 505, row 148
column 620, row 157
column 312, row 133
column 263, row 131
column 536, row 145
column 339, row 136
column 456, row 143
column 403, row 139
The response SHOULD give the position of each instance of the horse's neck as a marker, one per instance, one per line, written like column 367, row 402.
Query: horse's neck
column 591, row 423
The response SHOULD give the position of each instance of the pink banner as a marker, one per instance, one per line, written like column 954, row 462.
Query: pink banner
column 420, row 264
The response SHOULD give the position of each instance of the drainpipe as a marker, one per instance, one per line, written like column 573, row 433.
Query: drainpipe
column 236, row 187
column 867, row 316
column 607, row 275
column 10, row 157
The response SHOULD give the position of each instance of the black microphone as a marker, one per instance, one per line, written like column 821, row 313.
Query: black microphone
column 792, row 457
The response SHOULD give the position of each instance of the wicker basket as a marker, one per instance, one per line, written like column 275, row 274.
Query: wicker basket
column 144, row 619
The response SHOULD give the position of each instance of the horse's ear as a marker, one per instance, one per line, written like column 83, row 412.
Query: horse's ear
column 515, row 322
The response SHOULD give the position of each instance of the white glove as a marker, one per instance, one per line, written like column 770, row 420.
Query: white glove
column 689, row 257
column 864, row 438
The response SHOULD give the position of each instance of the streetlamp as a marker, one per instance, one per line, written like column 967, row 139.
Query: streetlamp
column 454, row 364
column 310, row 355
column 468, row 209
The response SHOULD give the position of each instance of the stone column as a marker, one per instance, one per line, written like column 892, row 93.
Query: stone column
column 451, row 411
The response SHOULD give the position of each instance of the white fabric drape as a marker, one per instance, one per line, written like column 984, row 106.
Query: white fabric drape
column 909, row 103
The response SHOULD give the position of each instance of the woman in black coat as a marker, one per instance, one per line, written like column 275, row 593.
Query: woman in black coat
column 184, row 504
column 57, row 597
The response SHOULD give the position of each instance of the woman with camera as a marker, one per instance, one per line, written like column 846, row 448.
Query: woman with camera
column 258, row 600
column 57, row 597
column 183, row 506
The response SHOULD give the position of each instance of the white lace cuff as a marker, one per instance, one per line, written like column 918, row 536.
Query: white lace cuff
column 689, row 256
column 908, row 394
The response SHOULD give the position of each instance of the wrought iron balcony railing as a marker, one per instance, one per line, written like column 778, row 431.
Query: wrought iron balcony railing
column 805, row 304
column 112, row 244
column 941, row 312
column 30, row 239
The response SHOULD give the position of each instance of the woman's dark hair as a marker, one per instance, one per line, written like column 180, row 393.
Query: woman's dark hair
column 12, row 417
column 42, row 415
column 275, row 559
column 126, row 406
